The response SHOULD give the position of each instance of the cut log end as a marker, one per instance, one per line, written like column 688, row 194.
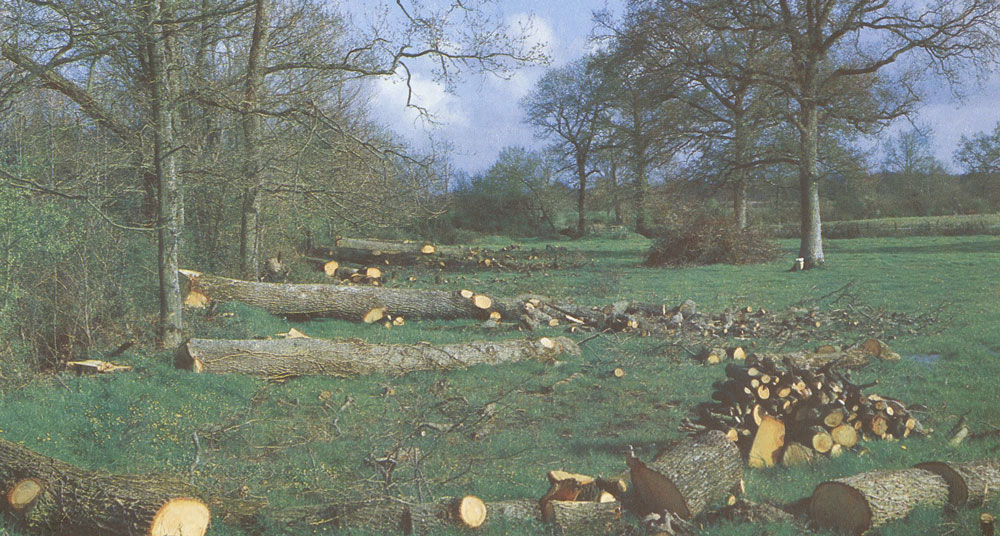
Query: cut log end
column 196, row 299
column 427, row 249
column 547, row 343
column 24, row 494
column 181, row 517
column 373, row 315
column 482, row 302
column 835, row 505
column 471, row 511
column 619, row 372
column 330, row 268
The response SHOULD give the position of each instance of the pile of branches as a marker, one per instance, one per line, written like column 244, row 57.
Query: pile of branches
column 710, row 240
column 787, row 413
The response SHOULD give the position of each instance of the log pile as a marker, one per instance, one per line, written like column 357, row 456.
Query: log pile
column 790, row 413
column 574, row 504
column 280, row 358
column 51, row 496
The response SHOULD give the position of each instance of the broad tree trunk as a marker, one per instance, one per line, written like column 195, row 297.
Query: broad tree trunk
column 641, row 182
column 302, row 356
column 811, row 229
column 739, row 176
column 55, row 497
column 617, row 189
column 740, row 200
column 159, row 50
column 253, row 159
column 581, row 196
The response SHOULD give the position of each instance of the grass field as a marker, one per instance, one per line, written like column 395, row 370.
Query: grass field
column 956, row 225
column 305, row 441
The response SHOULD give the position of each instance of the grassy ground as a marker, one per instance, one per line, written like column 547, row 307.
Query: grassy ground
column 956, row 225
column 306, row 441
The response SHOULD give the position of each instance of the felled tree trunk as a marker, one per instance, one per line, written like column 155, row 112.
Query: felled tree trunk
column 855, row 504
column 688, row 477
column 345, row 302
column 970, row 483
column 53, row 496
column 515, row 510
column 584, row 517
column 464, row 512
column 302, row 356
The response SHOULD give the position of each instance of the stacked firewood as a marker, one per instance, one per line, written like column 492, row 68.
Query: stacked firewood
column 789, row 413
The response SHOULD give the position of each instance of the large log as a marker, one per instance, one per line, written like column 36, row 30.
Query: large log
column 688, row 477
column 513, row 511
column 857, row 356
column 303, row 356
column 970, row 483
column 855, row 504
column 464, row 512
column 55, row 497
column 584, row 517
column 345, row 302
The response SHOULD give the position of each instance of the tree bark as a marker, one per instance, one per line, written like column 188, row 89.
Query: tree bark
column 301, row 356
column 584, row 517
column 253, row 158
column 740, row 142
column 855, row 504
column 159, row 44
column 581, row 195
column 345, row 302
column 970, row 484
column 811, row 227
column 465, row 512
column 513, row 511
column 688, row 477
column 58, row 498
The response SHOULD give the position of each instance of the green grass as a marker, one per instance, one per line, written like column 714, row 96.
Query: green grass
column 293, row 444
column 955, row 225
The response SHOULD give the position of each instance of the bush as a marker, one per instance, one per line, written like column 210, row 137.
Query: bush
column 702, row 240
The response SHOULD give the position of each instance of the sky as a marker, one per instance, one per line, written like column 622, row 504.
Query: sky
column 482, row 115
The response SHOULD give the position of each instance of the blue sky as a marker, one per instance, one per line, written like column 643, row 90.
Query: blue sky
column 483, row 115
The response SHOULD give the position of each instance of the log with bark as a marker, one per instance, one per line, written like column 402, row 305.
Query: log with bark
column 973, row 483
column 513, row 511
column 688, row 477
column 305, row 356
column 55, row 497
column 467, row 512
column 337, row 301
column 856, row 504
column 584, row 517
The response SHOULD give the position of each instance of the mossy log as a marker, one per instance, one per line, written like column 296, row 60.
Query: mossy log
column 54, row 497
column 467, row 512
column 344, row 302
column 584, row 517
column 856, row 504
column 301, row 356
column 970, row 483
column 688, row 477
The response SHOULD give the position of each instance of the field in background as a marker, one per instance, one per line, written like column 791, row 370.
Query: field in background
column 306, row 440
column 957, row 225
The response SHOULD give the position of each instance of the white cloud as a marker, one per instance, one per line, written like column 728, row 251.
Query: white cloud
column 390, row 106
column 537, row 31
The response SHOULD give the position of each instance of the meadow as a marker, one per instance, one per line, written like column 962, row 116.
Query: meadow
column 311, row 440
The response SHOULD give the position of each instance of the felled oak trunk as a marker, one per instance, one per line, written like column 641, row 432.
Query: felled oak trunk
column 855, row 504
column 584, row 517
column 302, row 356
column 337, row 301
column 464, row 512
column 513, row 511
column 688, row 477
column 53, row 496
column 969, row 483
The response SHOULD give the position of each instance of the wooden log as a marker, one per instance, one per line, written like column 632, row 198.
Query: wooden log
column 467, row 512
column 56, row 497
column 795, row 454
column 816, row 437
column 855, row 504
column 844, row 435
column 987, row 524
column 767, row 442
column 515, row 510
column 297, row 357
column 969, row 483
column 584, row 517
column 857, row 356
column 688, row 477
column 338, row 301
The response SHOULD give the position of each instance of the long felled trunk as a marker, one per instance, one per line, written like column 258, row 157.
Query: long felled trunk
column 296, row 357
column 811, row 227
column 689, row 477
column 969, row 483
column 55, row 497
column 159, row 50
column 346, row 302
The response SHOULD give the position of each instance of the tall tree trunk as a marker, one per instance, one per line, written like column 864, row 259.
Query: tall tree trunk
column 159, row 49
column 616, row 188
column 641, row 182
column 740, row 142
column 811, row 246
column 253, row 159
column 581, row 199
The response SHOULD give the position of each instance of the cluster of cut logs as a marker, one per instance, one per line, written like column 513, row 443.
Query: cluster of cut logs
column 792, row 412
column 359, row 275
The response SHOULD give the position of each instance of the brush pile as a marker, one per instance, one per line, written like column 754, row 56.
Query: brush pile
column 787, row 413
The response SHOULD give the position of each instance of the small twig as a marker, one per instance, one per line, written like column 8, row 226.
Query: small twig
column 197, row 456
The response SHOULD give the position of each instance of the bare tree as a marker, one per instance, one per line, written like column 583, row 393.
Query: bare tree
column 568, row 106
